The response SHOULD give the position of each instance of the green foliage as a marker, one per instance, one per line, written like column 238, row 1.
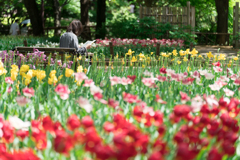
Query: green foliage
column 184, row 33
column 148, row 28
column 9, row 42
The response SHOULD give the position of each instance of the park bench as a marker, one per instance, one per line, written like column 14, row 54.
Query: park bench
column 48, row 50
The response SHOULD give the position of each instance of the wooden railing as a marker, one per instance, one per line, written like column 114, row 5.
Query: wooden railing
column 208, row 39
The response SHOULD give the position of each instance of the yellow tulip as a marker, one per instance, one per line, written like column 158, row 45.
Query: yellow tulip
column 15, row 67
column 52, row 80
column 80, row 69
column 235, row 58
column 148, row 59
column 68, row 72
column 60, row 77
column 164, row 54
column 141, row 56
column 130, row 52
column 85, row 70
column 52, row 73
column 179, row 62
column 134, row 59
column 210, row 55
column 222, row 57
column 200, row 56
column 194, row 52
column 185, row 59
column 14, row 75
column 23, row 74
column 24, row 68
column 41, row 75
column 123, row 61
column 67, row 57
column 1, row 64
column 30, row 74
column 79, row 58
column 182, row 53
column 143, row 66
column 151, row 53
column 3, row 71
column 174, row 52
column 188, row 51
column 27, row 81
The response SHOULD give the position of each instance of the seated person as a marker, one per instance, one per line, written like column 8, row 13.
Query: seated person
column 70, row 38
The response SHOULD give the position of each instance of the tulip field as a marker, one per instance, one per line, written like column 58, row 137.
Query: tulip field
column 179, row 105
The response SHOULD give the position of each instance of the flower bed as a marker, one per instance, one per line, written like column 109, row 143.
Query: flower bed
column 144, row 46
column 121, row 46
column 187, row 110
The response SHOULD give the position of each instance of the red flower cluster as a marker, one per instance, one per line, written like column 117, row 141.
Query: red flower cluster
column 147, row 116
column 218, row 121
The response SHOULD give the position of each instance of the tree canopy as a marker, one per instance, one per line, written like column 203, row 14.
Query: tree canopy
column 61, row 12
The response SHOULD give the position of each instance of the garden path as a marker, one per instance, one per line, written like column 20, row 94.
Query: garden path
column 228, row 50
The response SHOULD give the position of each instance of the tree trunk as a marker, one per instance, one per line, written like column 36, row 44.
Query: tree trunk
column 101, row 19
column 85, row 18
column 42, row 14
column 222, row 20
column 84, row 11
column 57, row 19
column 35, row 17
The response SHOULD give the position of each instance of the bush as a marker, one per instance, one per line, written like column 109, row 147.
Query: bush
column 148, row 28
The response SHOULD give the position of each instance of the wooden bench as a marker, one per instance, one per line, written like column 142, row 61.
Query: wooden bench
column 47, row 51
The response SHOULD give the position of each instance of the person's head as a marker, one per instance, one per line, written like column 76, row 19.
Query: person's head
column 76, row 27
column 24, row 25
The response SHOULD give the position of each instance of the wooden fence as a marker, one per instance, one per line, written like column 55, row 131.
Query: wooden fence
column 236, row 25
column 174, row 15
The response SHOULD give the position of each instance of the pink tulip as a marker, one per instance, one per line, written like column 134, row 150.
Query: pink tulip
column 228, row 92
column 88, row 82
column 84, row 103
column 115, row 80
column 196, row 74
column 80, row 76
column 197, row 103
column 217, row 64
column 184, row 97
column 149, row 82
column 22, row 101
column 126, row 81
column 209, row 76
column 63, row 91
column 217, row 69
column 9, row 80
column 9, row 89
column 161, row 78
column 28, row 92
